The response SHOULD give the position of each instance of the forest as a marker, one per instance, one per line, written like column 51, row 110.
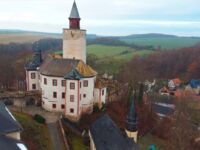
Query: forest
column 183, row 63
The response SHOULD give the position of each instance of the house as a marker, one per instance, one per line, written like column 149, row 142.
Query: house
column 163, row 109
column 194, row 85
column 10, row 131
column 67, row 83
column 105, row 135
column 100, row 93
column 174, row 83
column 9, row 126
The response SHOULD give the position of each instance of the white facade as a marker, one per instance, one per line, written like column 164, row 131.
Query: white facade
column 48, row 90
column 100, row 95
column 78, row 95
column 32, row 80
column 74, row 44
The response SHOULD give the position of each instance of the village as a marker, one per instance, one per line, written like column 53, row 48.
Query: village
column 65, row 104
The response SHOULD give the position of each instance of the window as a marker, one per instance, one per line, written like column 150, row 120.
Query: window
column 54, row 106
column 72, row 86
column 80, row 84
column 63, row 94
column 54, row 95
column 32, row 75
column 71, row 98
column 45, row 81
column 63, row 82
column 71, row 110
column 33, row 86
column 62, row 106
column 102, row 92
column 85, row 83
column 54, row 82
column 84, row 95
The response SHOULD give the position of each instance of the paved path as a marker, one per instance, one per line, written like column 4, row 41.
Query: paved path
column 54, row 133
column 51, row 121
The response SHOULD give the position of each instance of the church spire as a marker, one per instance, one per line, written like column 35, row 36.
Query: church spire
column 132, row 121
column 74, row 18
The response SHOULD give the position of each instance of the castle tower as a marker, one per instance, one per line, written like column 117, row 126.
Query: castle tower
column 74, row 39
column 131, row 123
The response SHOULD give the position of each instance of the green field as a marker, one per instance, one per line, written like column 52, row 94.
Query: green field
column 115, row 52
column 165, row 43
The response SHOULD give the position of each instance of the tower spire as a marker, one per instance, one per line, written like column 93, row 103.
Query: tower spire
column 132, row 121
column 74, row 18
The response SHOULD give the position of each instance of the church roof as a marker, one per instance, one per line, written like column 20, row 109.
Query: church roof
column 107, row 136
column 67, row 68
column 74, row 12
column 8, row 123
column 132, row 120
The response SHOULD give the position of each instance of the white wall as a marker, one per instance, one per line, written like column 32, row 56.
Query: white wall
column 74, row 44
column 47, row 93
column 30, row 82
column 92, row 146
column 73, row 105
column 89, row 91
column 14, row 135
column 99, row 96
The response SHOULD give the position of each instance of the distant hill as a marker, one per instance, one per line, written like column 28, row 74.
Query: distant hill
column 155, row 40
column 149, row 35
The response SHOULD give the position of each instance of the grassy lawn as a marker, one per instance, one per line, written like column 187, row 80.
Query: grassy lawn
column 105, row 51
column 116, row 52
column 34, row 135
column 77, row 143
column 165, row 43
column 149, row 139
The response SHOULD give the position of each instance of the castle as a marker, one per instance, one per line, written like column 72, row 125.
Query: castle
column 67, row 84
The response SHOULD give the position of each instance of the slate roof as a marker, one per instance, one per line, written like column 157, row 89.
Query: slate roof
column 132, row 120
column 107, row 136
column 194, row 83
column 8, row 124
column 35, row 62
column 7, row 143
column 74, row 12
column 67, row 68
column 163, row 110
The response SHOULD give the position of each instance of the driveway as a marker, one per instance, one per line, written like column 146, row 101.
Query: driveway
column 51, row 121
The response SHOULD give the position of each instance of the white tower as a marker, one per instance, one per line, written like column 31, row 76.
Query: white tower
column 74, row 39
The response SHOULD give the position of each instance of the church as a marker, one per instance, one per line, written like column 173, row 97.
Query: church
column 67, row 84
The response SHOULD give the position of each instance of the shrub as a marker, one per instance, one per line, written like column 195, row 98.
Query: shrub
column 39, row 119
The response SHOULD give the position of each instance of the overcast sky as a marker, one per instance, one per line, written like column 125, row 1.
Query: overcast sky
column 104, row 17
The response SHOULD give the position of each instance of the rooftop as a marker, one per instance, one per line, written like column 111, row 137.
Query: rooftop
column 107, row 136
column 66, row 68
column 8, row 123
column 74, row 12
column 7, row 143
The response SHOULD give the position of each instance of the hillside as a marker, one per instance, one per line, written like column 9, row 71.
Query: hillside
column 154, row 40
